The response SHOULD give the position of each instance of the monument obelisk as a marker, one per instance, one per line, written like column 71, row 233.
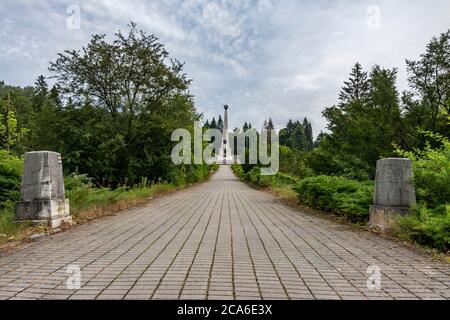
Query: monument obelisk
column 225, row 150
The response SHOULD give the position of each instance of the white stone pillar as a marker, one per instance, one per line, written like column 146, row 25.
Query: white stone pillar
column 394, row 191
column 43, row 195
column 225, row 156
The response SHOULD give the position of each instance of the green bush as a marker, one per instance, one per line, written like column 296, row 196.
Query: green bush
column 284, row 179
column 432, row 172
column 324, row 160
column 337, row 195
column 186, row 174
column 77, row 181
column 430, row 224
column 292, row 161
column 238, row 170
column 427, row 227
column 254, row 176
column 11, row 169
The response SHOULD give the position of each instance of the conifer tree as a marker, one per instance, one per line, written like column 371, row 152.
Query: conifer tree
column 220, row 123
column 213, row 124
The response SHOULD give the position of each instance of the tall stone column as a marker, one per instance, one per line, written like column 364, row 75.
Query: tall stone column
column 394, row 192
column 43, row 194
column 225, row 150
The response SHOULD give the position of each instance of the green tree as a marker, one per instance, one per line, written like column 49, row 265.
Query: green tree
column 367, row 120
column 427, row 104
column 297, row 139
column 124, row 99
column 290, row 126
column 270, row 125
column 40, row 93
column 213, row 124
column 10, row 133
column 296, row 135
column 356, row 89
column 308, row 134
column 319, row 138
column 220, row 123
column 55, row 96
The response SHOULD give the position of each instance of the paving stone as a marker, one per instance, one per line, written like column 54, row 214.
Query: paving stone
column 219, row 240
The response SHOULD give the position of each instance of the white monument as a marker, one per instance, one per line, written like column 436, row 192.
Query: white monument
column 43, row 196
column 225, row 156
column 394, row 192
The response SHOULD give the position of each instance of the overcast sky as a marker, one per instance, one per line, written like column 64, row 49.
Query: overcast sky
column 279, row 59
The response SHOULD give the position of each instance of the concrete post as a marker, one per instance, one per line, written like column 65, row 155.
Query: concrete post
column 43, row 195
column 394, row 191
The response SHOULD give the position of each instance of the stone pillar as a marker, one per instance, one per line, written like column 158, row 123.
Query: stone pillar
column 394, row 192
column 225, row 150
column 43, row 195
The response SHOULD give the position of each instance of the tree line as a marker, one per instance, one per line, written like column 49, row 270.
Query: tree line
column 372, row 119
column 110, row 111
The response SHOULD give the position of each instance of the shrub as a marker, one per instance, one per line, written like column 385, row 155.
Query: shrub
column 284, row 179
column 11, row 169
column 337, row 195
column 431, row 172
column 76, row 181
column 430, row 224
column 238, row 170
column 427, row 227
column 293, row 162
column 255, row 177
column 324, row 160
column 186, row 174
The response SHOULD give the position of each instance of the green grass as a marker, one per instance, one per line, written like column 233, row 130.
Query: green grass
column 7, row 225
column 87, row 198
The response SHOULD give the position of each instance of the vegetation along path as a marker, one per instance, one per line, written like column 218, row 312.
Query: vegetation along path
column 220, row 239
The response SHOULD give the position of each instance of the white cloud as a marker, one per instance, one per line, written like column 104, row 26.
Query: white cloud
column 305, row 82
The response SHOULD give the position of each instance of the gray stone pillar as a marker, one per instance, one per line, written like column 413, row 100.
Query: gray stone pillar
column 394, row 191
column 43, row 195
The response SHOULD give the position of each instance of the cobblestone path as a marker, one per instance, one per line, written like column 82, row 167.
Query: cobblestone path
column 219, row 240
